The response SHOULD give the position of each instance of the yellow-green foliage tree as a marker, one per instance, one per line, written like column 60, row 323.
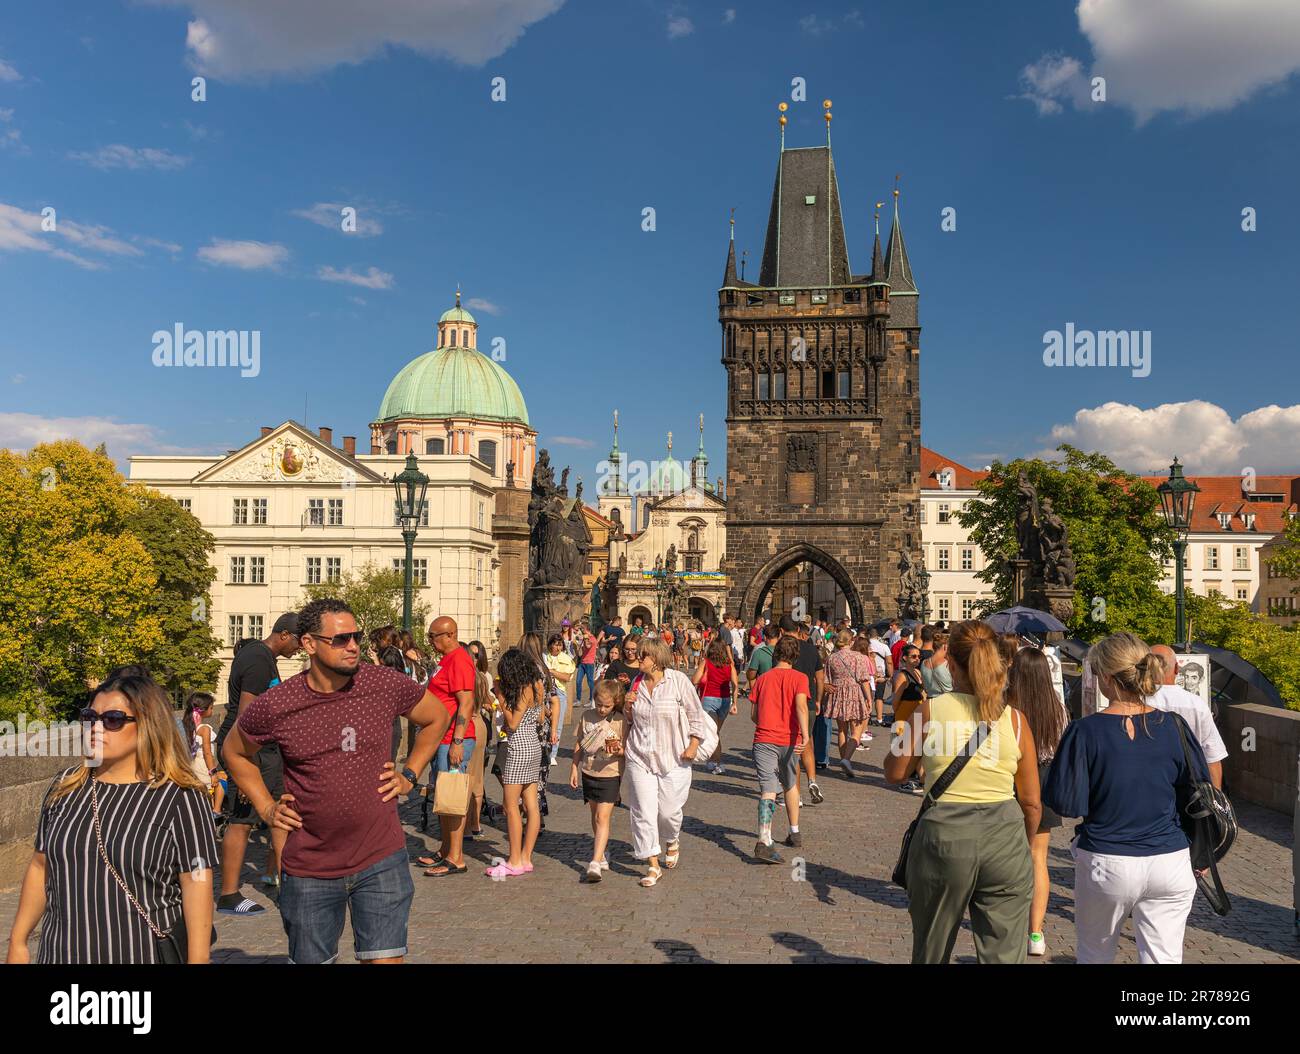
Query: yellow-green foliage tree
column 76, row 587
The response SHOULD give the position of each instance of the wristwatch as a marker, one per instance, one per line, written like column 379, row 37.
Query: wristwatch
column 410, row 777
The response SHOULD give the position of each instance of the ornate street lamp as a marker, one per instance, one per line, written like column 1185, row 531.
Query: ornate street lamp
column 1178, row 499
column 410, row 485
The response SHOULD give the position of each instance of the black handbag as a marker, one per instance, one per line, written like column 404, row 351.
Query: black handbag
column 172, row 947
column 944, row 781
column 1210, row 823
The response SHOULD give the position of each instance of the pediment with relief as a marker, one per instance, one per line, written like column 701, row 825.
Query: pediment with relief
column 288, row 456
column 690, row 500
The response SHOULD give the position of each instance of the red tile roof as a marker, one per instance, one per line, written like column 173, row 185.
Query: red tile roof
column 963, row 477
column 1223, row 494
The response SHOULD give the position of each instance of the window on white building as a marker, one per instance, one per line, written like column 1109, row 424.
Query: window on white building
column 257, row 570
column 945, row 512
column 424, row 514
column 336, row 512
column 1211, row 557
column 941, row 559
column 923, row 505
column 1240, row 558
column 315, row 512
column 255, row 624
column 333, row 568
column 239, row 511
column 967, row 608
column 184, row 503
column 234, row 629
column 236, row 570
column 313, row 570
column 481, row 510
column 968, row 559
column 944, row 606
column 1243, row 593
column 419, row 570
column 259, row 510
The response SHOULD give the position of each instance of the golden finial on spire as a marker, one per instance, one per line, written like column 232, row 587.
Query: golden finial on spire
column 897, row 177
column 670, row 444
column 826, row 105
column 879, row 205
column 458, row 294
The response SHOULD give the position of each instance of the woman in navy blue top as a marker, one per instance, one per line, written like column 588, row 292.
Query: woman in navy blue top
column 1121, row 769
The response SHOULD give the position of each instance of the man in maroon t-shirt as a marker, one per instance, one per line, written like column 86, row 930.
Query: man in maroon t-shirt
column 345, row 850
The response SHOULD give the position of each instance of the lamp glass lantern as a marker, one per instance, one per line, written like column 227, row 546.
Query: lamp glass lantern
column 410, row 485
column 1178, row 499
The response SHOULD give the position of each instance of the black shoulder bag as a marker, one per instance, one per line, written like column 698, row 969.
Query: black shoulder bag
column 940, row 785
column 1210, row 823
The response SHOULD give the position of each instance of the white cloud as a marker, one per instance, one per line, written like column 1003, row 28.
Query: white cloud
column 20, row 231
column 10, row 138
column 855, row 20
column 329, row 214
column 1185, row 56
column 239, row 39
column 1204, row 436
column 248, row 256
column 20, row 431
column 679, row 25
column 571, row 441
column 477, row 303
column 158, row 243
column 814, row 25
column 374, row 278
column 728, row 16
column 1053, row 81
column 119, row 156
column 8, row 73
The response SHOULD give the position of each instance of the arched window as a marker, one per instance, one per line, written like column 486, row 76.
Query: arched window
column 487, row 453
column 453, row 338
column 392, row 445
column 464, row 338
column 778, row 384
column 435, row 446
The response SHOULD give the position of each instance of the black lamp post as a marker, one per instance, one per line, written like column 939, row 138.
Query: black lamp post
column 410, row 485
column 1178, row 499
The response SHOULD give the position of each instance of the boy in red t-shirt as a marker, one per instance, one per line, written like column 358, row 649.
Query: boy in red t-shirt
column 780, row 714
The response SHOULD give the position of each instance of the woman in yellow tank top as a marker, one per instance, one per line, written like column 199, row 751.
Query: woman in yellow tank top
column 971, row 847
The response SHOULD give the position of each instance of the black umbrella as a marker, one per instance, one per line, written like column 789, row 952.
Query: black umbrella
column 1235, row 677
column 1022, row 619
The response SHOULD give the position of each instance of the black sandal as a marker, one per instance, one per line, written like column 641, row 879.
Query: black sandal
column 437, row 860
column 451, row 869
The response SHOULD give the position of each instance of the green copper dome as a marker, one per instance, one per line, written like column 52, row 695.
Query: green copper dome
column 457, row 314
column 454, row 382
column 670, row 477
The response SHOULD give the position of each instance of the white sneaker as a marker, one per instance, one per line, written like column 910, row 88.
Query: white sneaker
column 593, row 871
column 603, row 864
column 1037, row 946
column 719, row 770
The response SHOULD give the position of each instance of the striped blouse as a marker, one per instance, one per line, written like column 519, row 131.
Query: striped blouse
column 655, row 738
column 151, row 835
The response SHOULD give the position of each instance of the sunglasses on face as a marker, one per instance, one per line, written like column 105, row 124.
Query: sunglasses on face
column 114, row 720
column 340, row 640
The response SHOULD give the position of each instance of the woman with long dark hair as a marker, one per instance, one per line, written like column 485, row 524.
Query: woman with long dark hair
column 523, row 696
column 548, row 721
column 716, row 681
column 970, row 848
column 1032, row 693
column 122, row 871
column 483, row 700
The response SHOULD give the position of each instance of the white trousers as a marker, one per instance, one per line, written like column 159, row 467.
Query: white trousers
column 1156, row 890
column 656, row 804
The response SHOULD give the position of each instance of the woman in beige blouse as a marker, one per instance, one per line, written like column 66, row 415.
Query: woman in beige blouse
column 658, row 755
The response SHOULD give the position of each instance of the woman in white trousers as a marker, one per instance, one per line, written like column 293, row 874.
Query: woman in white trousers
column 665, row 726
column 1121, row 769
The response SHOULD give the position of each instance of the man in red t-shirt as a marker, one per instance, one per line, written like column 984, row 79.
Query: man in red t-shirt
column 453, row 684
column 345, row 849
column 780, row 714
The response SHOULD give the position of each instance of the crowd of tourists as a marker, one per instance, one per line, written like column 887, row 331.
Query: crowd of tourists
column 125, row 848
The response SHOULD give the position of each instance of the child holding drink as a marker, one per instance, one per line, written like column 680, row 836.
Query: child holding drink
column 598, row 760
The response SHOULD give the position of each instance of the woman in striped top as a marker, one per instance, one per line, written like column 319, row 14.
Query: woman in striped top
column 125, row 845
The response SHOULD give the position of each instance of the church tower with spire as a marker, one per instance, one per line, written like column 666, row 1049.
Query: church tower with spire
column 823, row 404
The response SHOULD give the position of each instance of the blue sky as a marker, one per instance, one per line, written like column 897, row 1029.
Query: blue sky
column 1125, row 214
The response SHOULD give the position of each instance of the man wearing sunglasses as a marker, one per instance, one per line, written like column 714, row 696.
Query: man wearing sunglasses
column 253, row 672
column 345, row 851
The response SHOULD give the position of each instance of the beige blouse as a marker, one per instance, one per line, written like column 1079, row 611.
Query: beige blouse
column 655, row 738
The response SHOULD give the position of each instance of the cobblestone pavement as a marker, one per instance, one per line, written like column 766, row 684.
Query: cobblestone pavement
column 721, row 906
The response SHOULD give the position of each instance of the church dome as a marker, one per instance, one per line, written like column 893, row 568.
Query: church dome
column 670, row 477
column 454, row 382
column 456, row 314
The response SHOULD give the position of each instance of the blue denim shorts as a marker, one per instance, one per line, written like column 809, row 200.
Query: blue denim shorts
column 716, row 707
column 313, row 911
column 440, row 762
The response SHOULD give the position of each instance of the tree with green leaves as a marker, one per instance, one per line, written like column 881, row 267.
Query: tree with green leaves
column 1286, row 557
column 1116, row 531
column 185, row 659
column 76, row 586
column 1272, row 650
column 375, row 596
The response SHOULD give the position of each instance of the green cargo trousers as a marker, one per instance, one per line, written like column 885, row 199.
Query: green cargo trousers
column 974, row 856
